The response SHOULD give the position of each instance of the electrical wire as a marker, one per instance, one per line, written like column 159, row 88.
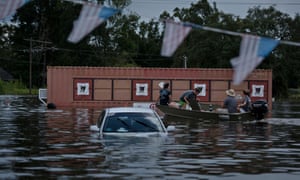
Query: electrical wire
column 182, row 2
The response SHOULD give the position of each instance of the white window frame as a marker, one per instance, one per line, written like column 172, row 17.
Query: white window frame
column 257, row 90
column 139, row 87
column 203, row 91
column 85, row 91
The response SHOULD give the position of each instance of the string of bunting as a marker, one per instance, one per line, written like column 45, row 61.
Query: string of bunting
column 253, row 49
column 231, row 32
column 91, row 16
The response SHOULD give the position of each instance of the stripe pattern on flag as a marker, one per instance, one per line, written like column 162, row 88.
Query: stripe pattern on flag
column 173, row 36
column 90, row 17
column 253, row 50
column 8, row 7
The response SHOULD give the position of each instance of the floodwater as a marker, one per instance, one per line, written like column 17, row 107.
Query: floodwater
column 37, row 143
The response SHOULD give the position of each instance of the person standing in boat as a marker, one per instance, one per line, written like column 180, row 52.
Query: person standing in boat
column 246, row 105
column 230, row 102
column 164, row 94
column 188, row 96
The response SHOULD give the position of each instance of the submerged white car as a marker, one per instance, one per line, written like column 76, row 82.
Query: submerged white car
column 128, row 121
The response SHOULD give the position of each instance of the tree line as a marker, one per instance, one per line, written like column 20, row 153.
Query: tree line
column 39, row 31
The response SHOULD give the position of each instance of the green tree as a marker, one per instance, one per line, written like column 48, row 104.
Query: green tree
column 125, row 40
column 149, row 45
column 205, row 49
column 272, row 23
column 5, row 45
column 291, row 55
column 52, row 21
column 41, row 21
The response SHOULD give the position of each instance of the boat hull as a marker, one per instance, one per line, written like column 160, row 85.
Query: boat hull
column 205, row 115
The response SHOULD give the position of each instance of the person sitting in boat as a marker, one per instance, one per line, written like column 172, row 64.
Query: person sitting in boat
column 188, row 96
column 230, row 102
column 164, row 97
column 246, row 105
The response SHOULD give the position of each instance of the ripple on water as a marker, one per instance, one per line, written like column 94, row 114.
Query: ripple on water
column 59, row 144
column 284, row 121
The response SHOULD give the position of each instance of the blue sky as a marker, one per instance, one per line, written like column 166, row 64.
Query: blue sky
column 148, row 9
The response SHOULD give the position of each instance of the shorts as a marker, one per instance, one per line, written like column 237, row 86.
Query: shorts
column 181, row 103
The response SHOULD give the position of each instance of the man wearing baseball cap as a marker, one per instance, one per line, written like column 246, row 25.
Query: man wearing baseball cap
column 189, row 96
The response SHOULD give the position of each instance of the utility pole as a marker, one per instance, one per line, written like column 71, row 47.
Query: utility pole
column 30, row 59
column 30, row 66
column 185, row 61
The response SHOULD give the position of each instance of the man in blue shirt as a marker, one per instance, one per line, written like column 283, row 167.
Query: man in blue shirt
column 164, row 95
column 230, row 102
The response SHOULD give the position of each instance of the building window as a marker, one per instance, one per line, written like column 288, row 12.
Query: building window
column 203, row 89
column 141, row 89
column 257, row 90
column 83, row 89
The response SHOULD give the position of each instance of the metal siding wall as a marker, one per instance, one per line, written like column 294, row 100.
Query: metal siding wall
column 179, row 86
column 62, row 86
column 239, row 89
column 121, row 90
column 218, row 89
column 50, row 84
column 102, row 89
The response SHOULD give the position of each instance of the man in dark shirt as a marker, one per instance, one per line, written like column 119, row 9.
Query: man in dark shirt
column 188, row 96
column 164, row 95
column 246, row 105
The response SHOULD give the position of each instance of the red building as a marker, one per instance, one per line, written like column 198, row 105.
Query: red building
column 122, row 86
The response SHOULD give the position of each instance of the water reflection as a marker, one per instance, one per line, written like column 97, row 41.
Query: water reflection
column 58, row 144
column 286, row 109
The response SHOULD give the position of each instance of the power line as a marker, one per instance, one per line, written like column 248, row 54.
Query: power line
column 230, row 32
column 184, row 2
column 155, row 56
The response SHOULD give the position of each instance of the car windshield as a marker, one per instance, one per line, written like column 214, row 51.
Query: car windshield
column 132, row 122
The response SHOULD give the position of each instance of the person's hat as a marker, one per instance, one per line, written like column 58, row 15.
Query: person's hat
column 246, row 91
column 230, row 92
column 199, row 89
column 161, row 84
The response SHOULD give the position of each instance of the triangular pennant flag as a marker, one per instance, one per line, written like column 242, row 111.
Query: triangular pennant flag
column 173, row 36
column 8, row 7
column 253, row 50
column 90, row 17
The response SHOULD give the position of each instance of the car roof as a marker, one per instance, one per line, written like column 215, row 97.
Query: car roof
column 129, row 109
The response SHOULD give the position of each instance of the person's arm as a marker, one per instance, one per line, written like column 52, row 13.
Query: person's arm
column 158, row 98
column 170, row 98
column 224, row 104
column 186, row 100
column 243, row 104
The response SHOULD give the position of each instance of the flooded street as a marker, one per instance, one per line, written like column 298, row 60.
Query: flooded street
column 37, row 143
